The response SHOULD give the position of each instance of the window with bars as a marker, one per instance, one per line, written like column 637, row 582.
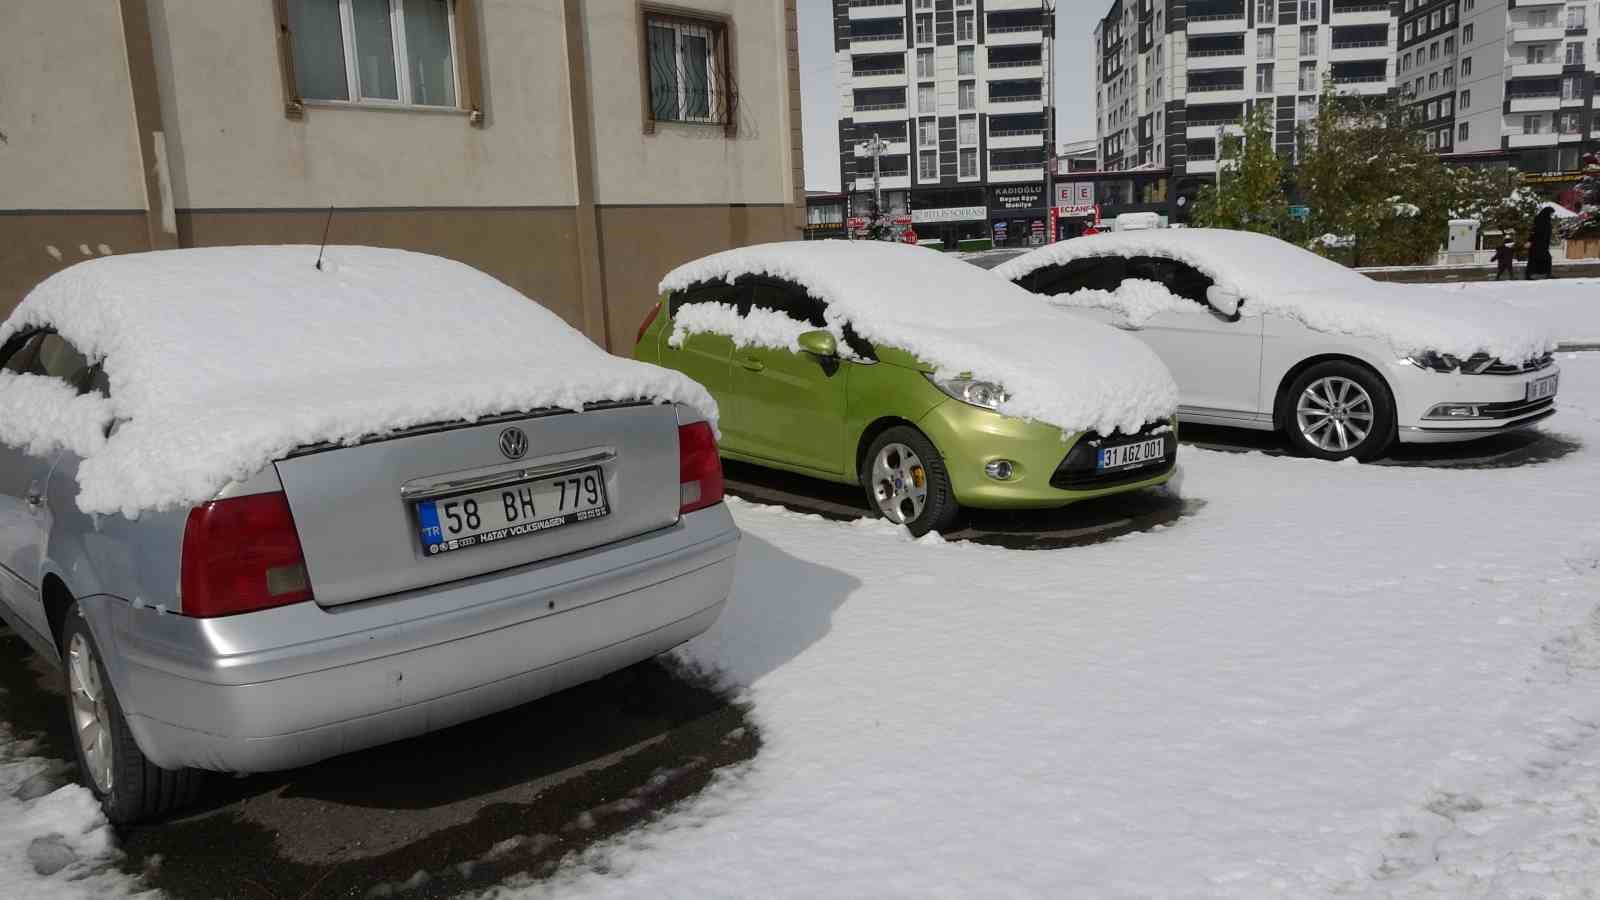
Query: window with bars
column 686, row 62
column 374, row 51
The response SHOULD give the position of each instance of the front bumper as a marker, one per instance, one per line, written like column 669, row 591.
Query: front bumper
column 1502, row 399
column 969, row 438
column 286, row 687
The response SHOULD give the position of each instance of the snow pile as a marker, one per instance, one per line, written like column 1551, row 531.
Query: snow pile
column 1275, row 277
column 44, row 415
column 1135, row 301
column 959, row 320
column 55, row 843
column 1295, row 690
column 1569, row 308
column 761, row 328
column 222, row 359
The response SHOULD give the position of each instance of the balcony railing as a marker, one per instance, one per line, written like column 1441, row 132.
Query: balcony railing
column 1218, row 17
column 868, row 73
column 876, row 2
column 1215, row 123
column 1016, row 64
column 1359, row 7
column 1359, row 79
column 1015, row 167
column 1236, row 51
column 1016, row 98
column 878, row 36
column 1208, row 88
column 1203, row 156
column 1357, row 45
column 870, row 107
column 1016, row 132
column 1010, row 29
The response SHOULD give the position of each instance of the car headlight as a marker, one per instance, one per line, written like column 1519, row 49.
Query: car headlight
column 1437, row 362
column 985, row 394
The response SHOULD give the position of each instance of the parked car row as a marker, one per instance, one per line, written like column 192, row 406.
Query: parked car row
column 262, row 512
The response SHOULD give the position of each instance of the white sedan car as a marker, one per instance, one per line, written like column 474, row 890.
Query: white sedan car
column 1262, row 334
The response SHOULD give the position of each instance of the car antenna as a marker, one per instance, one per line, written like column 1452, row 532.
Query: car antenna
column 325, row 226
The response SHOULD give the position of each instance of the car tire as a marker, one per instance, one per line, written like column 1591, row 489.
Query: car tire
column 1338, row 410
column 129, row 787
column 890, row 476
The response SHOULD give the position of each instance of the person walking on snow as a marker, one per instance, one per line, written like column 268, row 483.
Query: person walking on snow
column 1504, row 256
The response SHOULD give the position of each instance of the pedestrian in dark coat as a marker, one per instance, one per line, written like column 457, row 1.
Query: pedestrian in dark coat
column 1504, row 256
column 1539, row 262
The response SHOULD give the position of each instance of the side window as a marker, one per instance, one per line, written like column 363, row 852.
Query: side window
column 49, row 354
column 1181, row 279
column 710, row 292
column 1095, row 273
column 22, row 352
column 789, row 300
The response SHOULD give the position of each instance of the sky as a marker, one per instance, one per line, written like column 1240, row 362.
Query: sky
column 1075, row 21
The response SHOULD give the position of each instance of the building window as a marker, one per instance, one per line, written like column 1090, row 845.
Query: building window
column 1462, row 131
column 1264, row 45
column 1433, row 82
column 1308, row 10
column 925, row 63
column 1408, row 32
column 966, row 61
column 1467, row 34
column 1264, row 79
column 1444, row 139
column 1574, row 54
column 1450, row 46
column 1569, row 123
column 967, row 130
column 1535, row 54
column 927, row 99
column 1449, row 14
column 1433, row 51
column 966, row 29
column 1576, row 17
column 925, row 29
column 385, row 51
column 1572, row 88
column 1466, row 100
column 1466, row 67
column 1265, row 10
column 1308, row 42
column 1532, row 124
column 687, row 81
column 1447, row 106
column 969, row 162
column 927, row 132
column 1449, row 78
column 928, row 165
column 967, row 95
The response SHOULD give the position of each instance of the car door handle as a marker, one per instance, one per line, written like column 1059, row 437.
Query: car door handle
column 754, row 365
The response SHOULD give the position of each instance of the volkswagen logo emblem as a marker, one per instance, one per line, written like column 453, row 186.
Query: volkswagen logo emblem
column 514, row 443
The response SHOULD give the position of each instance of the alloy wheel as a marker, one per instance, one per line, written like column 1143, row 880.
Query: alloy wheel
column 91, row 717
column 1335, row 414
column 899, row 483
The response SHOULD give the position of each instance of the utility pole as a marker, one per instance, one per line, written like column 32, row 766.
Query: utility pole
column 875, row 148
column 1049, row 22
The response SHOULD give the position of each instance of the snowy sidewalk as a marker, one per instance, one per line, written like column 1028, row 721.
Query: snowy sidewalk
column 1330, row 680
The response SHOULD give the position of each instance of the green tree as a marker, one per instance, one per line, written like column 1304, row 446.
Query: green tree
column 1497, row 198
column 1377, row 195
column 1249, row 192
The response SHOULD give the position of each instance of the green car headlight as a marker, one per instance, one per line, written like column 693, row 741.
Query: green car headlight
column 985, row 394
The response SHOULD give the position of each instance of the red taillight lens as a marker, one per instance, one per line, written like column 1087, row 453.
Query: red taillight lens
column 649, row 318
column 242, row 554
column 699, row 468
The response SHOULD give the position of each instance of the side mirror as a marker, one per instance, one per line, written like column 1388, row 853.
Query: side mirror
column 1224, row 300
column 820, row 343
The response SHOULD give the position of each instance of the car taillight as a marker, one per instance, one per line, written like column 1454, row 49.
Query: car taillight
column 242, row 554
column 649, row 318
column 699, row 468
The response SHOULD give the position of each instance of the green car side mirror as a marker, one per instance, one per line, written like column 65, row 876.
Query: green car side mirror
column 819, row 343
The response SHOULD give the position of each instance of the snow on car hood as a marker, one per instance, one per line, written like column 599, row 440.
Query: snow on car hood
column 1070, row 372
column 223, row 359
column 1277, row 277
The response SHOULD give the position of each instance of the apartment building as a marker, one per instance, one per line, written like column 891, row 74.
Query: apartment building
column 958, row 92
column 575, row 149
column 1513, row 81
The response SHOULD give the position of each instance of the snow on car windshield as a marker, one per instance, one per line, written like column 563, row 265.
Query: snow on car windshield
column 1276, row 277
column 223, row 359
column 1073, row 373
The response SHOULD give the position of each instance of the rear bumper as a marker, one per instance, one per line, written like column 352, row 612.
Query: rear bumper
column 287, row 687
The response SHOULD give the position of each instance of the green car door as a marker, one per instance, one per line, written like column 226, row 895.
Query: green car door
column 702, row 356
column 783, row 406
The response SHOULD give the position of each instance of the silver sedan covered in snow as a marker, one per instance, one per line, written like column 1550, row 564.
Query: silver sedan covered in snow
column 264, row 513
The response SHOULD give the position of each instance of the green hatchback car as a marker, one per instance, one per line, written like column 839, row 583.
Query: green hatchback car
column 797, row 344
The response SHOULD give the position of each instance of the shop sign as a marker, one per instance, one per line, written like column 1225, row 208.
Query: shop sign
column 949, row 214
column 1016, row 196
column 1552, row 178
column 1076, row 195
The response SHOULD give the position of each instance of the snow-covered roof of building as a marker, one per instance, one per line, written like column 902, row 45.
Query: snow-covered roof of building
column 1073, row 373
column 1277, row 277
column 223, row 359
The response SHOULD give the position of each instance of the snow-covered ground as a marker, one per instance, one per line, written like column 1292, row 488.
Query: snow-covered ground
column 1569, row 306
column 1326, row 680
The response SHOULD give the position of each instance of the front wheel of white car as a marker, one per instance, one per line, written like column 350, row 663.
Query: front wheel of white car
column 1338, row 410
column 129, row 787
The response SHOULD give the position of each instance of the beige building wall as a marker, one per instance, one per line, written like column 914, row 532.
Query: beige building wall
column 139, row 122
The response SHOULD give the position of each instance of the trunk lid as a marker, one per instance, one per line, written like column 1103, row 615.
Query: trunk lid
column 356, row 508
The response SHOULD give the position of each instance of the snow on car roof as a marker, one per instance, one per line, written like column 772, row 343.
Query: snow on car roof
column 223, row 359
column 1073, row 373
column 1274, row 276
